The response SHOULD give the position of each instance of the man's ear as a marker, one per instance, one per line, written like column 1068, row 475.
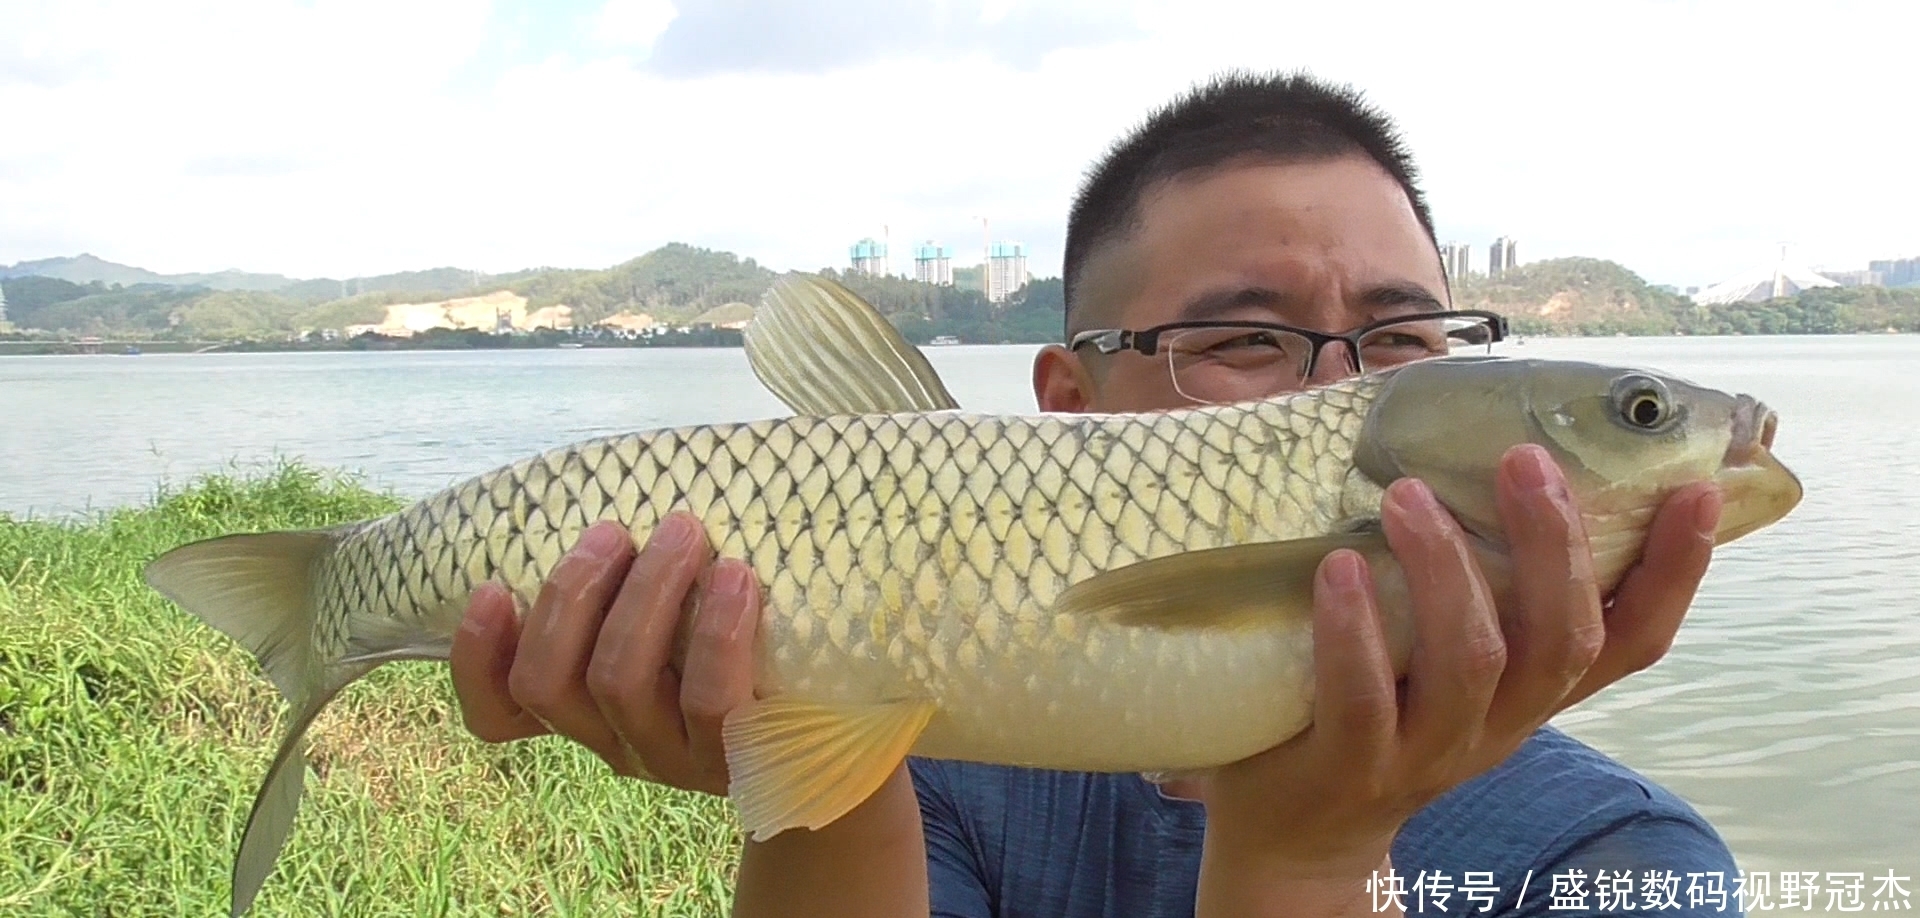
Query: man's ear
column 1061, row 382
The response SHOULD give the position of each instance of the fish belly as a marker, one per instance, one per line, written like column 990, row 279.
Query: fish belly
column 1128, row 699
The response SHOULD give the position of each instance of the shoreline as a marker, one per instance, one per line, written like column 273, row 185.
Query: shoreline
column 720, row 339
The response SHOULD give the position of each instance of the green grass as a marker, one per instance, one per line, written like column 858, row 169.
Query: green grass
column 132, row 739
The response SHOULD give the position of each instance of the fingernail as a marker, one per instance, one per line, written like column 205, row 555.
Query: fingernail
column 1706, row 514
column 1531, row 470
column 726, row 599
column 1414, row 497
column 471, row 623
column 601, row 542
column 1342, row 573
column 1537, row 473
column 673, row 534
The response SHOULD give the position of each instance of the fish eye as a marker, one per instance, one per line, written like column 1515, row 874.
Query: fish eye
column 1641, row 402
column 1646, row 410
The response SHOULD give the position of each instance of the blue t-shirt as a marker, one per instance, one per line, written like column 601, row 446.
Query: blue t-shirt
column 1582, row 833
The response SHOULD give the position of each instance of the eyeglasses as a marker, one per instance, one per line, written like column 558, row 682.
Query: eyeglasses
column 1223, row 362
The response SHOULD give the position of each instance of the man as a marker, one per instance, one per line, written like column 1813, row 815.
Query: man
column 1276, row 200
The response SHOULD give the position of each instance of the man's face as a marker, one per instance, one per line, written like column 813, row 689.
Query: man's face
column 1328, row 245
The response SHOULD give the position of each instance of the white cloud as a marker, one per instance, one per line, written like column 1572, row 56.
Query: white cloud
column 992, row 11
column 1685, row 140
column 634, row 23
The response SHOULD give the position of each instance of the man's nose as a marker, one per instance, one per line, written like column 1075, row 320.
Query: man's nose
column 1334, row 363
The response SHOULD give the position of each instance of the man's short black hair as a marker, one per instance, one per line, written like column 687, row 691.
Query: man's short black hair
column 1236, row 115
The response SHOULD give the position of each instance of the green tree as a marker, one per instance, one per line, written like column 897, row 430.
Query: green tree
column 673, row 282
column 1036, row 314
column 28, row 297
column 232, row 315
column 143, row 309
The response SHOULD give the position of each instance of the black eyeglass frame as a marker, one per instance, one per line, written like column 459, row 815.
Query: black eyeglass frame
column 1147, row 341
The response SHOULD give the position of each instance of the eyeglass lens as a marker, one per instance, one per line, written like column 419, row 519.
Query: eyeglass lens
column 1223, row 365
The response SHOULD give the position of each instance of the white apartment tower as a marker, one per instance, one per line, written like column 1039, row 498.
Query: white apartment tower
column 869, row 257
column 1456, row 257
column 1502, row 257
column 933, row 264
column 1006, row 270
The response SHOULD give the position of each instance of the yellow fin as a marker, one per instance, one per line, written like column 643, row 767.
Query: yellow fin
column 1238, row 586
column 798, row 764
column 823, row 350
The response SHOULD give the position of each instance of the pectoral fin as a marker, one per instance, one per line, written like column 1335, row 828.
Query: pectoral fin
column 797, row 764
column 1240, row 586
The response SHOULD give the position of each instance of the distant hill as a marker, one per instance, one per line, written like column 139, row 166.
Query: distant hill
column 50, row 304
column 433, row 281
column 86, row 269
column 1574, row 296
column 728, row 314
column 674, row 283
column 1591, row 296
column 680, row 284
column 89, row 295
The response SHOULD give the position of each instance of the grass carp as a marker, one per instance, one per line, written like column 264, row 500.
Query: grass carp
column 1083, row 592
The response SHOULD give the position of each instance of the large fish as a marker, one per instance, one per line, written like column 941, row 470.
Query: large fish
column 1083, row 592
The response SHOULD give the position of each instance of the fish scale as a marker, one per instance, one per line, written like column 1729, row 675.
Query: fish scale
column 895, row 550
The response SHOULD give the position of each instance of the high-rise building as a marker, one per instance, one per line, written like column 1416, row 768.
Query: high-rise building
column 1502, row 256
column 1896, row 272
column 933, row 264
column 1457, row 259
column 1867, row 278
column 869, row 257
column 3, row 305
column 1006, row 270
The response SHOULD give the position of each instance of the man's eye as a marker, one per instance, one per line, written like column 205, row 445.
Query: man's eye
column 1401, row 341
column 1255, row 340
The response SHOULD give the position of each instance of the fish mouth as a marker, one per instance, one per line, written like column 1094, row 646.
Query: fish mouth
column 1755, row 489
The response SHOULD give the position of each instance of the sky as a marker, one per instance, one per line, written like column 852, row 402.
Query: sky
column 1686, row 140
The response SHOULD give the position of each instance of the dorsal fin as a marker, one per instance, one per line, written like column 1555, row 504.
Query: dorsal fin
column 823, row 350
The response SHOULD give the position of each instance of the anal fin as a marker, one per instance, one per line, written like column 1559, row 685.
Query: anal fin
column 802, row 765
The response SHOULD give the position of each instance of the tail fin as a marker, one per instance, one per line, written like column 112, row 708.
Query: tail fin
column 258, row 590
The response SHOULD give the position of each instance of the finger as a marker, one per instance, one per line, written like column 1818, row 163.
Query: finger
column 719, row 672
column 1652, row 599
column 482, row 656
column 630, row 676
column 1553, row 627
column 1356, row 705
column 1458, row 651
column 556, row 641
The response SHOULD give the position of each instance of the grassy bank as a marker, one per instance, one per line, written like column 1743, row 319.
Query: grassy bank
column 132, row 738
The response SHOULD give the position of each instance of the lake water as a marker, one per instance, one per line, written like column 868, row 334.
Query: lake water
column 1788, row 711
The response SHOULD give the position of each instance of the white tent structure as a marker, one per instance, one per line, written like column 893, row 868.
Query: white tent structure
column 1783, row 279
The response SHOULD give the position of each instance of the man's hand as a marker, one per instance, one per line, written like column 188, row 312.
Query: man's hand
column 1324, row 807
column 592, row 659
column 1644, row 612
